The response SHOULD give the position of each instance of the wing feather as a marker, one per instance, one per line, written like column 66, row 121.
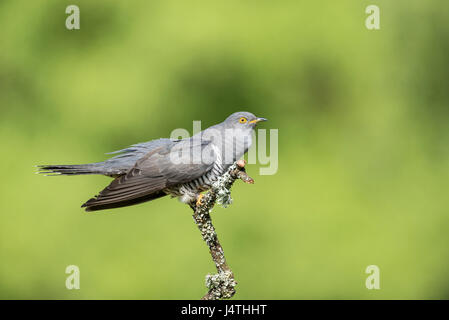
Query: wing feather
column 155, row 171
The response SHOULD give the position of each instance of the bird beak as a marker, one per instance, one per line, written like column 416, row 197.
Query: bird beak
column 258, row 120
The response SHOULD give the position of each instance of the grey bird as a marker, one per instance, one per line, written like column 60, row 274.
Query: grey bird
column 180, row 168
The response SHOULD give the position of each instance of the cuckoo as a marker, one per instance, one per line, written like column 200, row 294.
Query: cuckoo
column 177, row 167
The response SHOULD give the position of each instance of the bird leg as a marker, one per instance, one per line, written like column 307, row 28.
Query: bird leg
column 198, row 199
column 220, row 285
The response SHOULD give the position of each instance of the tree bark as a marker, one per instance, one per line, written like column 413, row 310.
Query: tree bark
column 220, row 285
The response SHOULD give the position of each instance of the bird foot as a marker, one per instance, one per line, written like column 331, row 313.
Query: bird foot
column 241, row 163
column 198, row 200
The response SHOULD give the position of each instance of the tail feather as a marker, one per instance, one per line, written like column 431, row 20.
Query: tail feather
column 70, row 169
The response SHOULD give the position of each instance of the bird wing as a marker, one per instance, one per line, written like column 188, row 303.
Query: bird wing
column 163, row 167
column 126, row 158
column 187, row 161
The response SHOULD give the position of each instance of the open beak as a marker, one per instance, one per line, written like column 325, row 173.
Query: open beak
column 258, row 120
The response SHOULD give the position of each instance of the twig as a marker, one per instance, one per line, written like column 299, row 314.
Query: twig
column 220, row 285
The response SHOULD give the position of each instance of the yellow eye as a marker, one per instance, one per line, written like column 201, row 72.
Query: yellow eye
column 242, row 120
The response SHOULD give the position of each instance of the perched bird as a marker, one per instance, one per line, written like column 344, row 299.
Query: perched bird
column 181, row 168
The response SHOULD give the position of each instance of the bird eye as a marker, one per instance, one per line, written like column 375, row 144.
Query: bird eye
column 242, row 120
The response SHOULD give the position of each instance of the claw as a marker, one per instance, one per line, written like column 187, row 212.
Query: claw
column 241, row 163
column 198, row 201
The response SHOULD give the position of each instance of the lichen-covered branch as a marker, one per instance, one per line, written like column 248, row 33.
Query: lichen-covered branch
column 220, row 285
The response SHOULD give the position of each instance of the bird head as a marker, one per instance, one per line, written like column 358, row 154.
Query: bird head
column 243, row 120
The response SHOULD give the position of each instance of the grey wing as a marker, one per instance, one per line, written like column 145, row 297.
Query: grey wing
column 127, row 158
column 162, row 167
column 187, row 161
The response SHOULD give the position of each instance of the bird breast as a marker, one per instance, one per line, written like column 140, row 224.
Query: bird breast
column 188, row 191
column 233, row 147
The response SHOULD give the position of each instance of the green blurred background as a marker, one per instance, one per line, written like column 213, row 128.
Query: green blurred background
column 363, row 146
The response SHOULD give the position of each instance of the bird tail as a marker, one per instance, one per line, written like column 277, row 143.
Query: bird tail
column 77, row 169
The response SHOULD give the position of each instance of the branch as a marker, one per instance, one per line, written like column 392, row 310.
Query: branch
column 220, row 285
